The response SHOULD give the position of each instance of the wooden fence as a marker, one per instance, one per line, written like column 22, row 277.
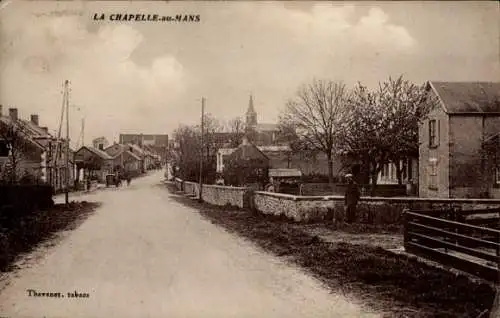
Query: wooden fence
column 465, row 240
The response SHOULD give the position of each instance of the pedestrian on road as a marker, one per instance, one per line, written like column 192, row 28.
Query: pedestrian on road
column 128, row 180
column 352, row 195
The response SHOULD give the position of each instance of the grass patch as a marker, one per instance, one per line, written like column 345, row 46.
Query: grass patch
column 393, row 283
column 22, row 233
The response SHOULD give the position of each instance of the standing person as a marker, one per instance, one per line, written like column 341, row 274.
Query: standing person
column 352, row 195
column 128, row 179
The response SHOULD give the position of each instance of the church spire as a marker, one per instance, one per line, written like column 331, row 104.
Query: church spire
column 251, row 121
column 250, row 105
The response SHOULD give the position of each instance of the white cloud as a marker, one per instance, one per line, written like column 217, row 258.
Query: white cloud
column 111, row 90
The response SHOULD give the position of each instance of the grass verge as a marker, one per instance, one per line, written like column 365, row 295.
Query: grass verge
column 396, row 284
column 22, row 234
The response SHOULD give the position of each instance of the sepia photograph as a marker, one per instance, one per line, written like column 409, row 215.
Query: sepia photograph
column 249, row 159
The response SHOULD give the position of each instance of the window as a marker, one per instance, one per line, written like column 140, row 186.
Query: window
column 497, row 175
column 4, row 149
column 433, row 133
column 433, row 176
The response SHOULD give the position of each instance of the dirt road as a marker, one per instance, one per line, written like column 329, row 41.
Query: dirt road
column 144, row 255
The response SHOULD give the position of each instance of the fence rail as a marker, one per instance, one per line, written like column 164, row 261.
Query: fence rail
column 468, row 247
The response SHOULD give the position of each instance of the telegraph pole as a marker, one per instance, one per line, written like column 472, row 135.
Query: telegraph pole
column 66, row 194
column 201, row 147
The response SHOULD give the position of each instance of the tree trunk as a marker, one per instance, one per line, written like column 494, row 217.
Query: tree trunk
column 399, row 172
column 374, row 174
column 330, row 169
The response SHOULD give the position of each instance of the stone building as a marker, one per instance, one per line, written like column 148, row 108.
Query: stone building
column 459, row 151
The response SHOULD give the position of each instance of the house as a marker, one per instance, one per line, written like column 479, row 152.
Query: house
column 139, row 152
column 408, row 168
column 157, row 142
column 42, row 155
column 249, row 165
column 459, row 151
column 94, row 162
column 123, row 159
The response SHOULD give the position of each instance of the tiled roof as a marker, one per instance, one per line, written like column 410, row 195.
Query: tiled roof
column 133, row 155
column 115, row 150
column 99, row 153
column 267, row 127
column 468, row 97
column 136, row 148
column 29, row 133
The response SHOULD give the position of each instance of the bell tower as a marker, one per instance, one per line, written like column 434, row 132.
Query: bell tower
column 251, row 115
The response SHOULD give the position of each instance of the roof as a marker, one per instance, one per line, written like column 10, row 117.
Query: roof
column 133, row 155
column 115, row 150
column 274, row 148
column 226, row 151
column 283, row 172
column 30, row 133
column 136, row 148
column 468, row 97
column 98, row 152
column 247, row 150
column 267, row 127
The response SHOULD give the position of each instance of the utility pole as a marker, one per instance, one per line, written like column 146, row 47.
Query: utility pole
column 201, row 147
column 83, row 131
column 66, row 194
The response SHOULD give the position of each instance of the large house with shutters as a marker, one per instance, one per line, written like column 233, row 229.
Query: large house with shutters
column 459, row 147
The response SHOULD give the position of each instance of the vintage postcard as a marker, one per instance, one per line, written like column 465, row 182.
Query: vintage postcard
column 249, row 159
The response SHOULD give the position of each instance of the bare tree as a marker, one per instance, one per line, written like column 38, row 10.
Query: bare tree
column 211, row 140
column 317, row 112
column 237, row 129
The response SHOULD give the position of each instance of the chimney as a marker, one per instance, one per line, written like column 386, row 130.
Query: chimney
column 45, row 129
column 13, row 113
column 34, row 119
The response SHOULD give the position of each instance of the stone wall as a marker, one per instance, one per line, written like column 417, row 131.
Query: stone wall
column 224, row 195
column 371, row 210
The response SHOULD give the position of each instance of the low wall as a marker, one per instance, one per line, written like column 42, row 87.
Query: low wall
column 382, row 190
column 191, row 188
column 224, row 195
column 371, row 210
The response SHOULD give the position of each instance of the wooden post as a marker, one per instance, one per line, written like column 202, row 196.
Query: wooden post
column 495, row 308
column 405, row 228
column 66, row 194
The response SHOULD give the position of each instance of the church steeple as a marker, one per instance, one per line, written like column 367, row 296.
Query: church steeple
column 251, row 120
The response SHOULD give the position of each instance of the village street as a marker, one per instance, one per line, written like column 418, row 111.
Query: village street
column 144, row 255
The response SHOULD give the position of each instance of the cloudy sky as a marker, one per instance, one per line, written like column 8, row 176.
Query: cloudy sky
column 150, row 76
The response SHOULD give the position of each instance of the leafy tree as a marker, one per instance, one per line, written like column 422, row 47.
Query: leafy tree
column 316, row 112
column 381, row 126
column 241, row 172
column 16, row 141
